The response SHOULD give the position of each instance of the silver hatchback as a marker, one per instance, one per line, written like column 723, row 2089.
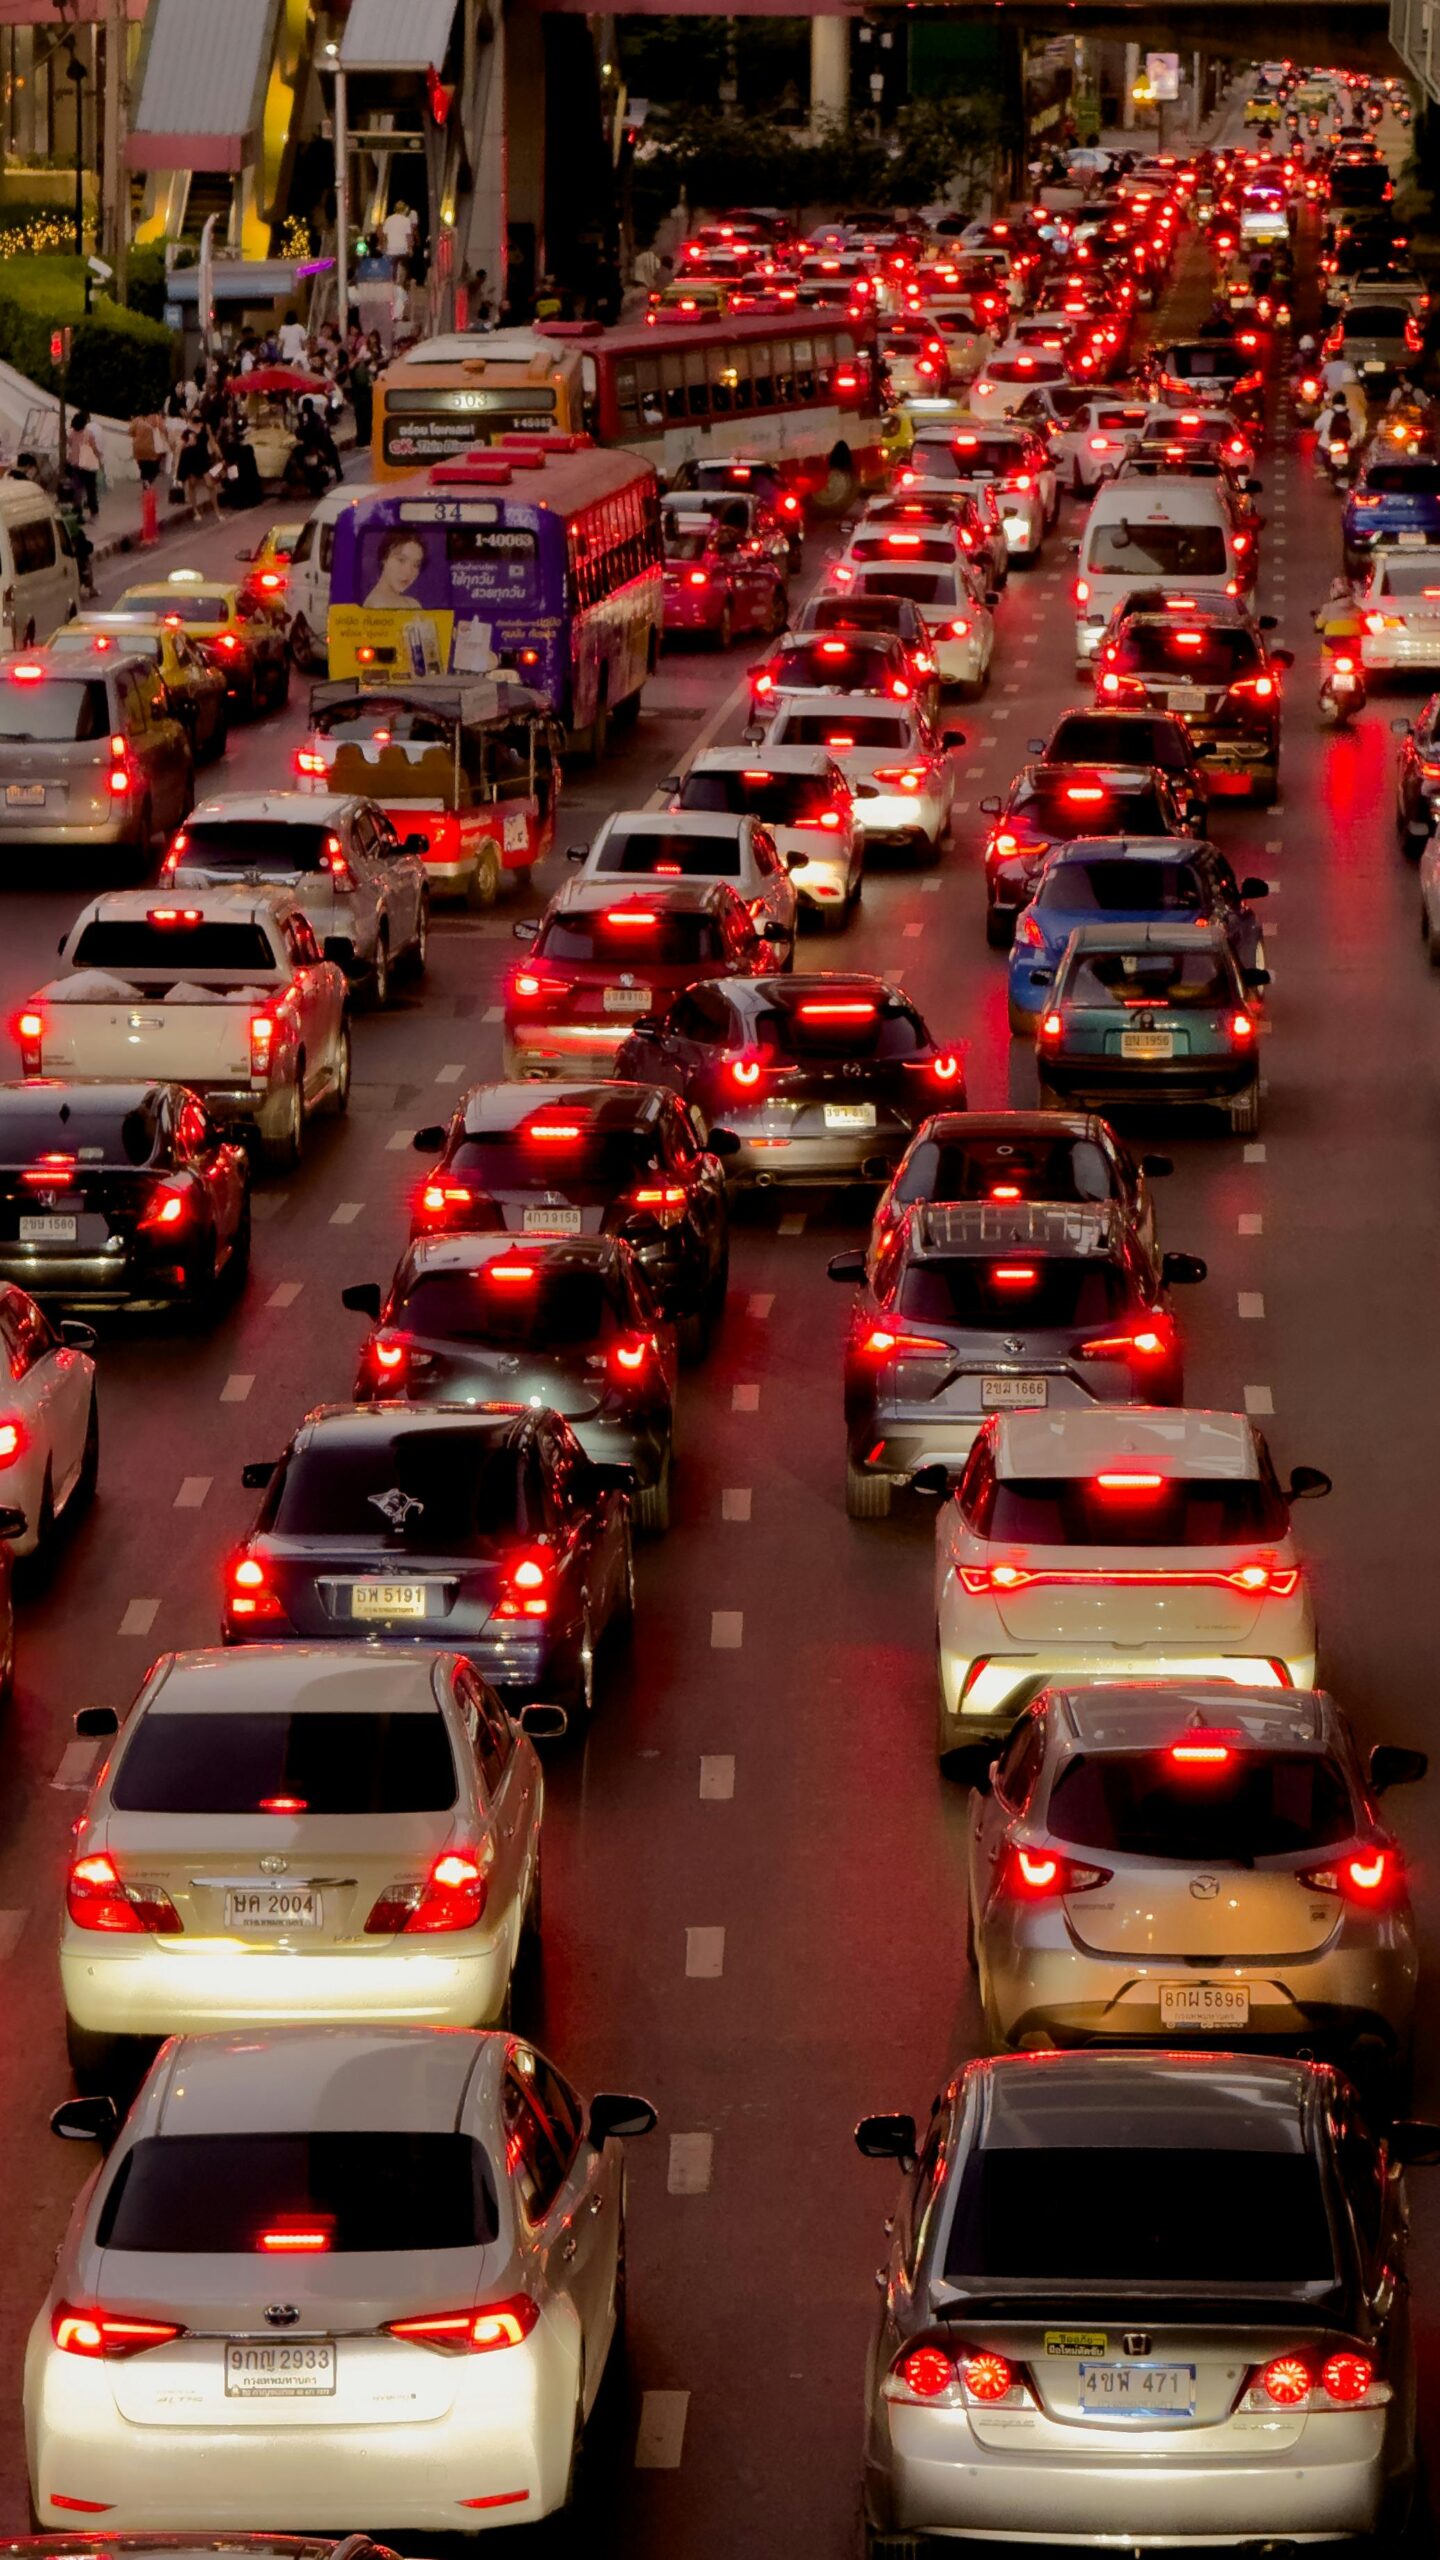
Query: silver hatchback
column 1140, row 2301
column 365, row 896
column 1179, row 1863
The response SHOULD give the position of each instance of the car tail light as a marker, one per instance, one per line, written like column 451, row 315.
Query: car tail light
column 308, row 761
column 122, row 773
column 1042, row 1875
column 333, row 860
column 12, row 1442
column 97, row 1897
column 30, row 1032
column 526, row 1590
column 926, row 2372
column 629, row 1359
column 945, row 1066
column 1049, row 1027
column 451, row 1896
column 476, row 2332
column 1082, row 590
column 698, row 578
column 829, row 819
column 527, row 985
column 166, row 1208
column 295, row 2240
column 442, row 1199
column 1373, row 1878
column 1147, row 1342
column 902, row 777
column 985, row 2375
column 960, row 628
column 262, row 1042
column 105, row 2333
column 883, row 1343
column 1347, row 2380
column 664, row 1202
column 1242, row 1030
column 745, row 1072
column 250, row 1593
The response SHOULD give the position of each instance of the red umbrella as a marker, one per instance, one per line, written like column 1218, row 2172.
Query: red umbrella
column 277, row 379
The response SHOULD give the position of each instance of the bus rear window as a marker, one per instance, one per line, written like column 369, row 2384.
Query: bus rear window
column 671, row 942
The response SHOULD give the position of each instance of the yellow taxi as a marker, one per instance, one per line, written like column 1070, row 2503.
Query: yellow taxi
column 195, row 689
column 245, row 640
column 268, row 576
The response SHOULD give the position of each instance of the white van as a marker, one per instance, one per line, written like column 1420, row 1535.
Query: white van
column 39, row 578
column 309, row 593
column 1153, row 532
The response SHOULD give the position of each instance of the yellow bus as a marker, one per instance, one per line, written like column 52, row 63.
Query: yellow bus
column 448, row 395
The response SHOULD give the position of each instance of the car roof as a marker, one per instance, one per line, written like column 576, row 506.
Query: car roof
column 811, row 760
column 100, row 647
column 313, row 1678
column 792, row 989
column 234, row 901
column 1116, row 777
column 610, row 1106
column 369, row 2079
column 1182, row 1441
column 678, row 897
column 843, row 706
column 354, row 1426
column 43, row 1098
column 1149, row 937
column 679, row 822
column 470, row 1253
column 1172, row 849
column 1143, row 2102
column 1066, row 1233
column 956, row 1126
column 280, row 808
column 1145, row 1715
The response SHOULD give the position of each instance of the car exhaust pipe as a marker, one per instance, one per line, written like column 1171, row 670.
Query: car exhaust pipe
column 876, row 1169
column 764, row 1181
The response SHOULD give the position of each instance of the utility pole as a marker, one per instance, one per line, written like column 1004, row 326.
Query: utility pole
column 116, row 230
column 341, row 131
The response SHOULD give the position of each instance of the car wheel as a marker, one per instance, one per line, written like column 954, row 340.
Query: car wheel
column 417, row 957
column 380, row 973
column 82, row 1492
column 999, row 927
column 725, row 627
column 867, row 1497
column 1245, row 1112
column 302, row 647
column 652, row 1503
column 339, row 1098
column 484, row 886
column 285, row 1151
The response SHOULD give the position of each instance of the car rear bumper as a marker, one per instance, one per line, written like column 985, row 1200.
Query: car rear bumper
column 564, row 1048
column 162, row 1989
column 840, row 1156
column 22, row 834
column 88, row 1278
column 1329, row 2003
column 992, row 1683
column 1399, row 649
column 1101, row 1081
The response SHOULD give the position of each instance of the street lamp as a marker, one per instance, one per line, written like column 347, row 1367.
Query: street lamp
column 341, row 121
column 76, row 71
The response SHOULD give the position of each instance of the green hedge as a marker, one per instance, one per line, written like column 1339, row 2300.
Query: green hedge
column 25, row 342
column 120, row 363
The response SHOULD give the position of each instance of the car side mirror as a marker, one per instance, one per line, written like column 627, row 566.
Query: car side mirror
column 887, row 2138
column 1156, row 1167
column 577, row 852
column 525, row 928
column 616, row 2118
column 80, row 1337
column 86, row 2120
column 671, row 782
column 989, row 807
column 1412, row 2144
column 1391, row 1766
column 1398, row 729
column 415, row 843
column 1253, row 888
column 723, row 1142
column 363, row 1299
column 795, row 861
column 1034, row 746
column 257, row 1474
column 244, row 555
column 934, row 1480
column 1073, row 548
column 866, row 791
column 1282, row 657
column 773, row 933
column 615, row 1475
column 1307, row 1484
column 425, row 1141
column 952, row 737
column 1252, row 489
column 971, row 1765
column 1182, row 1270
column 97, row 1723
column 543, row 1724
column 849, row 1265
column 1256, row 977
column 992, row 598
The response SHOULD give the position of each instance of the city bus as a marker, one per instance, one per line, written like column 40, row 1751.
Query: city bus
column 539, row 555
column 798, row 388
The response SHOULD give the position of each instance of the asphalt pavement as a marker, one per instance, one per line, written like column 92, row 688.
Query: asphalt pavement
column 753, row 1872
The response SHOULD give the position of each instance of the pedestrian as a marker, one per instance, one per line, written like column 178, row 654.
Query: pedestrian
column 362, row 398
column 647, row 268
column 397, row 231
column 198, row 462
column 294, row 344
column 176, row 411
column 83, row 461
column 549, row 304
column 149, row 445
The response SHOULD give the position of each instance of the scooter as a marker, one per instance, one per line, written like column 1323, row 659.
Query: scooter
column 1337, row 457
column 1306, row 393
column 1342, row 691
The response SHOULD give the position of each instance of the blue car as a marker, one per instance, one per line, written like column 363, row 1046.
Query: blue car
column 1395, row 499
column 1125, row 880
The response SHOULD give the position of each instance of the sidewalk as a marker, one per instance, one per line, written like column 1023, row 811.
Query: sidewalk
column 116, row 529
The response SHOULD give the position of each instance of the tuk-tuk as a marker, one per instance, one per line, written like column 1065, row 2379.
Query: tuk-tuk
column 467, row 769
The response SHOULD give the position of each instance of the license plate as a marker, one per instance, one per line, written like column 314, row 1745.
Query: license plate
column 1137, row 2390
column 1185, row 697
column 627, row 999
column 267, row 1906
column 47, row 1230
column 1411, row 541
column 849, row 1115
column 387, row 1600
column 552, row 1222
column 1147, row 1044
column 24, row 795
column 995, row 1392
column 1206, row 2008
column 292, row 2369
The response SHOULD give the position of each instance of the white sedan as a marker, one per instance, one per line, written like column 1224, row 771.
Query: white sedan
column 1011, row 375
column 701, row 844
column 1091, row 432
column 896, row 765
column 49, row 1418
column 202, row 1891
column 400, row 2248
column 806, row 802
column 1400, row 609
column 1118, row 1543
column 954, row 606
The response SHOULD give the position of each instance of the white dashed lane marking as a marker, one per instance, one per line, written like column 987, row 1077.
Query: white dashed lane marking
column 1255, row 1152
column 76, row 1763
column 704, row 1954
column 692, row 2159
column 236, row 1388
column 727, row 1630
column 139, row 1617
column 268, row 1204
column 1250, row 1223
column 193, row 1490
column 397, row 1139
column 913, row 932
column 735, row 1502
column 661, row 2436
column 1249, row 1304
column 793, row 1224
column 1259, row 1401
column 929, row 884
column 347, row 1213
column 493, row 1013
column 760, row 1303
column 449, row 1075
column 717, row 1777
column 285, row 1293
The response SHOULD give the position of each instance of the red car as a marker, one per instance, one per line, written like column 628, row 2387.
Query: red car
column 716, row 585
column 601, row 961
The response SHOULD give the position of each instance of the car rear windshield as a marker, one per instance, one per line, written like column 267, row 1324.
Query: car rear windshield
column 670, row 941
column 1415, row 577
column 1209, row 361
column 93, row 1133
column 1101, row 737
column 240, row 1762
column 685, row 857
column 965, row 457
column 1005, row 1168
column 125, row 644
column 1253, row 1804
column 850, row 662
column 693, row 544
column 1031, row 369
column 218, row 2194
column 1200, row 652
column 1123, row 887
column 447, row 1491
column 511, row 1160
column 130, row 945
column 843, row 1022
column 921, row 586
column 1132, row 2214
column 1065, row 805
column 1181, row 981
column 187, row 604
column 842, row 729
column 984, row 1296
column 1182, row 1511
column 1374, row 320
column 554, row 1310
column 861, row 613
column 57, row 711
column 1157, row 546
column 265, row 846
column 781, row 799
column 383, row 723
column 1403, row 479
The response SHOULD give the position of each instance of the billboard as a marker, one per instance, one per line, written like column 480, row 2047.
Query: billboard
column 1162, row 73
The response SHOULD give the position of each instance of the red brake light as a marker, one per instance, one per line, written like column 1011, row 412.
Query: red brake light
column 883, row 1343
column 97, row 1897
column 624, row 918
column 834, row 1011
column 262, row 1041
column 250, row 1595
column 437, row 1197
column 1082, row 792
column 1346, row 2378
column 1242, row 1029
column 387, row 1355
column 1126, row 1480
column 526, row 1593
column 476, row 2332
column 1014, row 1275
column 307, row 761
column 166, row 1209
column 27, row 675
column 1042, row 1875
column 1200, row 1755
column 102, row 2333
column 745, row 1072
column 945, row 1066
column 295, row 2242
column 452, row 1896
column 986, row 2376
column 1371, row 1877
column 516, row 1274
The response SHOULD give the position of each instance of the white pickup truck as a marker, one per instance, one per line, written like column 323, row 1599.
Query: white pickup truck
column 224, row 990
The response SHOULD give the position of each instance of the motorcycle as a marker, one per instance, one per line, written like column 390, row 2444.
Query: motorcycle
column 1337, row 457
column 1306, row 394
column 1342, row 691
